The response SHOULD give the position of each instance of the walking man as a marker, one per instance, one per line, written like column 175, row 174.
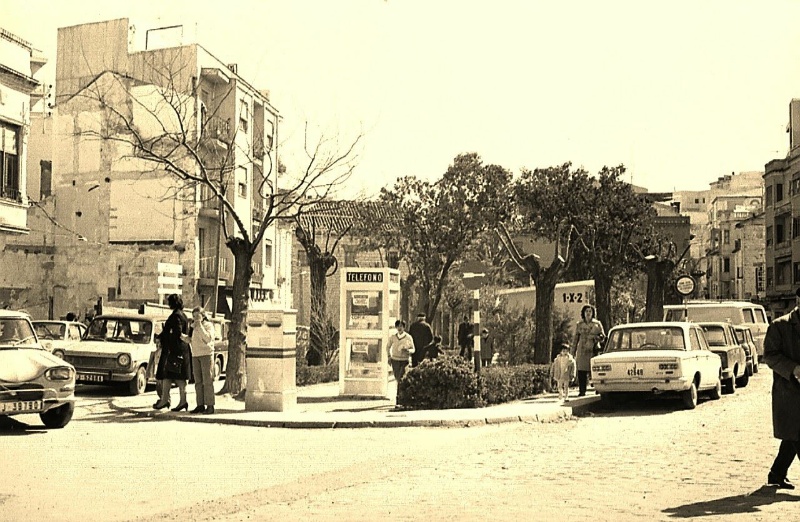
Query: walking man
column 465, row 339
column 422, row 334
column 782, row 355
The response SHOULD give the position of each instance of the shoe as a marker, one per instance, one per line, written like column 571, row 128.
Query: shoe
column 182, row 406
column 781, row 483
column 209, row 410
column 160, row 405
column 200, row 409
column 581, row 395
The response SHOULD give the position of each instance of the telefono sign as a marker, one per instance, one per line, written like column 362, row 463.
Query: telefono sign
column 364, row 277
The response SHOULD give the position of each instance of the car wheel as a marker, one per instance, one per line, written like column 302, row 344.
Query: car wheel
column 217, row 368
column 689, row 397
column 716, row 391
column 742, row 381
column 57, row 418
column 138, row 384
column 729, row 386
column 749, row 370
column 755, row 363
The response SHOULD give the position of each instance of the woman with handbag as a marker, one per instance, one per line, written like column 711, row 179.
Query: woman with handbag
column 175, row 363
column 588, row 334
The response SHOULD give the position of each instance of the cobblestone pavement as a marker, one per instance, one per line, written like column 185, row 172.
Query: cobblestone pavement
column 645, row 461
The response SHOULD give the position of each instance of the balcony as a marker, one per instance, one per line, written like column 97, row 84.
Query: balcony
column 209, row 203
column 216, row 133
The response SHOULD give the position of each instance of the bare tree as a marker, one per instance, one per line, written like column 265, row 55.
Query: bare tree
column 155, row 115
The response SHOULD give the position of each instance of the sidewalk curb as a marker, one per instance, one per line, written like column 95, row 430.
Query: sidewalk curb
column 560, row 414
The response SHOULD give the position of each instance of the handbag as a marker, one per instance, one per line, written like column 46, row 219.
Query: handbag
column 174, row 364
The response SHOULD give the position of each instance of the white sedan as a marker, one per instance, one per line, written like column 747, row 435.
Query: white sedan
column 656, row 358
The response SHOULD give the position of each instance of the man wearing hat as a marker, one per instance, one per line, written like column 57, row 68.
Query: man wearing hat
column 782, row 355
column 422, row 334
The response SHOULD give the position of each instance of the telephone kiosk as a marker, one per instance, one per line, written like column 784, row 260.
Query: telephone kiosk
column 370, row 304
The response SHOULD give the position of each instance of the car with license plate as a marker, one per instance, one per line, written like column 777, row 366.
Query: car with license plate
column 744, row 313
column 745, row 338
column 58, row 334
column 722, row 341
column 115, row 350
column 32, row 380
column 656, row 358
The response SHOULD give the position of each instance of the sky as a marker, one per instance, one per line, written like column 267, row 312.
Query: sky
column 680, row 92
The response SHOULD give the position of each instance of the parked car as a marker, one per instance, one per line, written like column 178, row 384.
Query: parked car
column 742, row 313
column 657, row 358
column 115, row 349
column 32, row 380
column 58, row 334
column 722, row 341
column 745, row 338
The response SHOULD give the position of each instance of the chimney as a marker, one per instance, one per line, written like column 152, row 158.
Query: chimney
column 794, row 124
column 234, row 68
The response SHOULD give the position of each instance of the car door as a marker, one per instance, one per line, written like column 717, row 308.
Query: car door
column 709, row 372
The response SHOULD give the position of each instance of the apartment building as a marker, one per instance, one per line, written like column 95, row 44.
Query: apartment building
column 724, row 215
column 19, row 62
column 126, row 229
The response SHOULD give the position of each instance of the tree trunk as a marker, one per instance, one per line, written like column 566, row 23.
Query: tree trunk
column 318, row 331
column 406, row 286
column 236, row 374
column 545, row 293
column 602, row 295
column 658, row 272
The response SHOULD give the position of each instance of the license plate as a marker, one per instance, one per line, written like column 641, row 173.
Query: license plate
column 19, row 406
column 91, row 378
column 635, row 370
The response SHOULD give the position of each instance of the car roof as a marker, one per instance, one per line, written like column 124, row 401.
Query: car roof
column 713, row 304
column 656, row 324
column 132, row 316
column 55, row 321
column 14, row 313
column 713, row 323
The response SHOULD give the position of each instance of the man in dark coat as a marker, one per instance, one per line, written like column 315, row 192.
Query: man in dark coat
column 422, row 335
column 465, row 335
column 782, row 355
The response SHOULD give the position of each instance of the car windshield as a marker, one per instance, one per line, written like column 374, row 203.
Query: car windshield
column 740, row 338
column 705, row 313
column 120, row 330
column 50, row 330
column 715, row 335
column 15, row 331
column 646, row 338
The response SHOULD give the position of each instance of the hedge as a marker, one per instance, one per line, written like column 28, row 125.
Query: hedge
column 308, row 375
column 450, row 382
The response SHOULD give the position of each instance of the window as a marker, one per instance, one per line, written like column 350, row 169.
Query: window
column 797, row 273
column 795, row 227
column 241, row 182
column 9, row 162
column 267, row 253
column 268, row 135
column 768, row 195
column 780, row 237
column 244, row 114
column 697, row 201
column 783, row 273
column 770, row 277
column 46, row 169
column 739, row 272
column 737, row 245
column 769, row 235
column 726, row 237
column 726, row 264
column 778, row 192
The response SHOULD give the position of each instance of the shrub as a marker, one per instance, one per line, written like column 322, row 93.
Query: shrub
column 500, row 384
column 514, row 330
column 443, row 383
column 308, row 375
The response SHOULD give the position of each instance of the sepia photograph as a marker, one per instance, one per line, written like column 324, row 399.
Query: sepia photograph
column 358, row 260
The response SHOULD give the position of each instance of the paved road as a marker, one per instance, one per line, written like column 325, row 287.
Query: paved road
column 645, row 461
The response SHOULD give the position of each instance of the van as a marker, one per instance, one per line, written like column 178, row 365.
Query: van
column 742, row 313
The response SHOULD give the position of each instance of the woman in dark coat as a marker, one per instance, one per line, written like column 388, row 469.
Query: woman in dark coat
column 782, row 355
column 174, row 366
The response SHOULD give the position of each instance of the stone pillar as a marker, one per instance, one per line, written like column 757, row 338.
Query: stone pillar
column 271, row 341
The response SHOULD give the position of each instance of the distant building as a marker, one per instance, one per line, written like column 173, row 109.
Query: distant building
column 124, row 229
column 19, row 62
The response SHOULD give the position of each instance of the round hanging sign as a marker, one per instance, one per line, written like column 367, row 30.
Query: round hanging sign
column 685, row 285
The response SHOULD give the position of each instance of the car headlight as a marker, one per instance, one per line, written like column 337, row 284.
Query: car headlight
column 60, row 373
column 123, row 359
column 601, row 368
column 59, row 353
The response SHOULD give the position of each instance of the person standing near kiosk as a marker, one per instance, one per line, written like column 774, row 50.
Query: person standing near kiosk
column 422, row 334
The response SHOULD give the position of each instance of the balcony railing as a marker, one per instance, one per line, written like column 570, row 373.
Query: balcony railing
column 208, row 265
column 216, row 130
column 11, row 193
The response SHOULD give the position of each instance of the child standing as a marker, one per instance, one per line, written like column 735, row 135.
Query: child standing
column 563, row 371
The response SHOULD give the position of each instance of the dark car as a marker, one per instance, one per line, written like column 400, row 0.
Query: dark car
column 745, row 337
